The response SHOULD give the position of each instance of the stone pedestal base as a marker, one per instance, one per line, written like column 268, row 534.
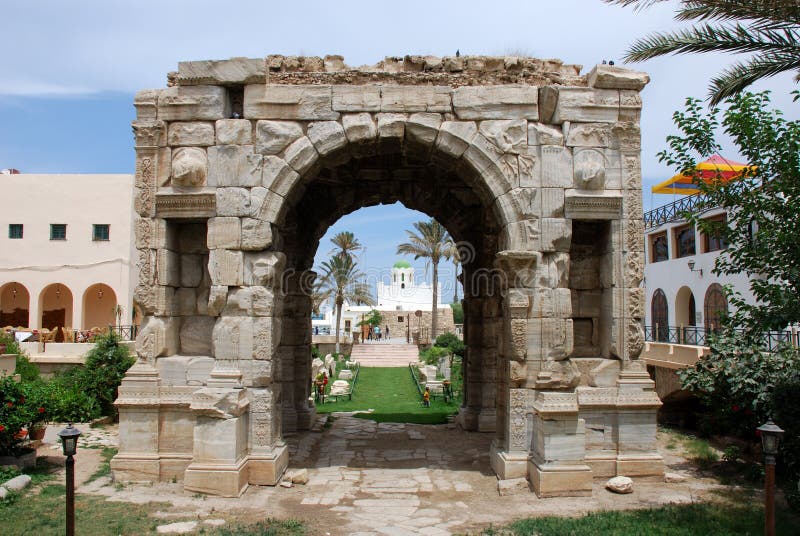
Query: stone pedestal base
column 508, row 464
column 217, row 479
column 561, row 480
column 267, row 469
column 289, row 423
column 136, row 468
column 644, row 465
column 467, row 419
column 603, row 465
column 487, row 420
column 306, row 418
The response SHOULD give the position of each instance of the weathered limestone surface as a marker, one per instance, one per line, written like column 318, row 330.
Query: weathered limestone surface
column 242, row 164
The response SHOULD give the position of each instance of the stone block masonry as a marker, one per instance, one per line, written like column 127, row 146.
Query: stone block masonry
column 243, row 164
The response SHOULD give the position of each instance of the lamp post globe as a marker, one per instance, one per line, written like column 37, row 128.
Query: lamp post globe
column 69, row 439
column 771, row 435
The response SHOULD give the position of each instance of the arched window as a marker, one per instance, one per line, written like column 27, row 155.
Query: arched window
column 659, row 314
column 402, row 277
column 716, row 306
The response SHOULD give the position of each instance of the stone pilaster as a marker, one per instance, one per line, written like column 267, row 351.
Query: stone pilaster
column 138, row 405
column 557, row 466
column 637, row 404
column 510, row 450
column 219, row 462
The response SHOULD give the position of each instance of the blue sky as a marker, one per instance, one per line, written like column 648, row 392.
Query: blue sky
column 70, row 69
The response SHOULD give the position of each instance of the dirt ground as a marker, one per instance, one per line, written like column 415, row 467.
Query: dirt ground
column 397, row 479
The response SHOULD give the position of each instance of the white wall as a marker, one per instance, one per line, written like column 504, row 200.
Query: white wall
column 674, row 274
column 77, row 263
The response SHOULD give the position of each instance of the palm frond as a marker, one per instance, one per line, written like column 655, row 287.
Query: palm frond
column 760, row 14
column 639, row 5
column 708, row 38
column 346, row 244
column 736, row 78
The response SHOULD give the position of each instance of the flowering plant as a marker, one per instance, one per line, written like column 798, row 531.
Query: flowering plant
column 22, row 406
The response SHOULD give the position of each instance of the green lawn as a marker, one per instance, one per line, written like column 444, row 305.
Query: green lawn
column 695, row 519
column 393, row 396
column 44, row 514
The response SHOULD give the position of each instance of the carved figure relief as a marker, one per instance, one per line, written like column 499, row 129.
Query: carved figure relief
column 189, row 167
column 590, row 169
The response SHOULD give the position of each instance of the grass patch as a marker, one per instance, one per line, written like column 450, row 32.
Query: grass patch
column 701, row 453
column 392, row 395
column 694, row 519
column 45, row 514
column 268, row 527
column 42, row 472
column 104, row 469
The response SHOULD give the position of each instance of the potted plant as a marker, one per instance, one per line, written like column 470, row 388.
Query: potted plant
column 15, row 416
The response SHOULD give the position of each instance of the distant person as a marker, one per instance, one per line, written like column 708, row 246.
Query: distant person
column 316, row 330
column 386, row 330
column 369, row 334
column 378, row 332
column 426, row 398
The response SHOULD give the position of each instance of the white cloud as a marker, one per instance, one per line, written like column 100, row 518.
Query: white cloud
column 25, row 87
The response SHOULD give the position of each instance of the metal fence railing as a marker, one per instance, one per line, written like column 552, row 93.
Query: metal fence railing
column 701, row 335
column 673, row 211
column 126, row 333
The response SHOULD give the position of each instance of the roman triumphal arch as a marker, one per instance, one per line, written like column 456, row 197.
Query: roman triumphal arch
column 241, row 166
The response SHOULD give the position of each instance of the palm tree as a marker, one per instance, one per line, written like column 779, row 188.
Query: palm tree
column 767, row 30
column 341, row 280
column 431, row 241
column 346, row 244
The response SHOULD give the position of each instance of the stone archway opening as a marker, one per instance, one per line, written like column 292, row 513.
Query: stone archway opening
column 15, row 302
column 55, row 304
column 367, row 172
column 99, row 307
column 242, row 165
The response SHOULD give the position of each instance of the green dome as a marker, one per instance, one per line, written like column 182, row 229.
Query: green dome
column 402, row 264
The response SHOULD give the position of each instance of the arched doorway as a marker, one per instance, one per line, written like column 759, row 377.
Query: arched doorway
column 55, row 304
column 99, row 307
column 482, row 162
column 15, row 302
column 715, row 307
column 685, row 309
column 659, row 316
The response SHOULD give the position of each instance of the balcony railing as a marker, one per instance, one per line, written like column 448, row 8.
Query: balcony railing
column 673, row 211
column 126, row 333
column 700, row 336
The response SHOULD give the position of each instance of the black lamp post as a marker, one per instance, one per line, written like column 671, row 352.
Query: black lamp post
column 69, row 442
column 770, row 439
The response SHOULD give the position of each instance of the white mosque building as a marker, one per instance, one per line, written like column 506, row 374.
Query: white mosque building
column 403, row 293
column 397, row 301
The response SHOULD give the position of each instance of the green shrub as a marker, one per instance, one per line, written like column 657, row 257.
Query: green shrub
column 14, row 415
column 12, row 346
column 22, row 405
column 452, row 343
column 69, row 402
column 27, row 370
column 731, row 454
column 432, row 355
column 735, row 382
column 102, row 374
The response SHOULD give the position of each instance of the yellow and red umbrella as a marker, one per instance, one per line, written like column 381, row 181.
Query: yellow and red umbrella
column 715, row 168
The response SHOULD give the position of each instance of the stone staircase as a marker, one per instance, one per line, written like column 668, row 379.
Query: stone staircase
column 385, row 354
